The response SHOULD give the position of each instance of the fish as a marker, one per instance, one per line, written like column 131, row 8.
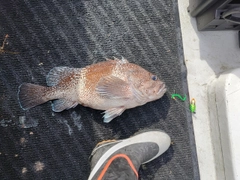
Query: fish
column 113, row 86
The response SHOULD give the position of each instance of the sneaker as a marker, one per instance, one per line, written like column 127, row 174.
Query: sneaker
column 121, row 159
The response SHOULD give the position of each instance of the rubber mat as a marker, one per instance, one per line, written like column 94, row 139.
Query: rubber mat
column 41, row 144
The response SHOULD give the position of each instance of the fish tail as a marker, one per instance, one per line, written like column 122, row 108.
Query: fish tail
column 31, row 95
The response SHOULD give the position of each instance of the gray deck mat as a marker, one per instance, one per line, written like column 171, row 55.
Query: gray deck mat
column 77, row 33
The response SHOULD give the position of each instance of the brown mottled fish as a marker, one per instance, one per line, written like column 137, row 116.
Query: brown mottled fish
column 112, row 85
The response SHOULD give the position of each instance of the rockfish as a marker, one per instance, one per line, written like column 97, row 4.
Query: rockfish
column 111, row 85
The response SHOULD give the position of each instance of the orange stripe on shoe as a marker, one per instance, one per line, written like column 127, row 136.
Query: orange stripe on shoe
column 112, row 159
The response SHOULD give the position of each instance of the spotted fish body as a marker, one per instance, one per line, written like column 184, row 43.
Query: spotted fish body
column 112, row 85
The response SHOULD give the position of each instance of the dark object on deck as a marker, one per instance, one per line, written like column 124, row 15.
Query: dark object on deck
column 216, row 14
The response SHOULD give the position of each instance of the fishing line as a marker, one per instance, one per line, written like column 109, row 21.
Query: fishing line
column 192, row 105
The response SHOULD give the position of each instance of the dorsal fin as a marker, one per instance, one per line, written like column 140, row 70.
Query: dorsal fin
column 57, row 74
column 122, row 61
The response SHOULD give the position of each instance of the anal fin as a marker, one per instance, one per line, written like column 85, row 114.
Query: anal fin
column 62, row 104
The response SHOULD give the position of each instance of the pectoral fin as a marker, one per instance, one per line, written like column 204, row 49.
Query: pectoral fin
column 114, row 88
column 110, row 114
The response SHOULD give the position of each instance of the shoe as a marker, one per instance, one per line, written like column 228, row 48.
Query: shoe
column 121, row 159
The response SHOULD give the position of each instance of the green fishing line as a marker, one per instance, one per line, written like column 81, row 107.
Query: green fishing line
column 192, row 106
column 173, row 96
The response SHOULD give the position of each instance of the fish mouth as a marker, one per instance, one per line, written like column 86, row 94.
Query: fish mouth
column 162, row 89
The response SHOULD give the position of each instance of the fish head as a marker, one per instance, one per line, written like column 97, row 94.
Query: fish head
column 147, row 85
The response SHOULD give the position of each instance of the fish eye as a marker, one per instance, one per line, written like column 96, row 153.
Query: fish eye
column 154, row 77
